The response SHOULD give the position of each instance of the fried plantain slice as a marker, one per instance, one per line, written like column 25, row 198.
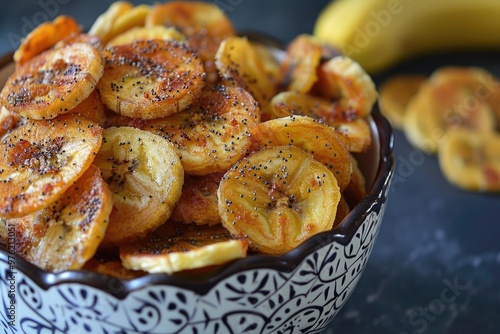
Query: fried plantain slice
column 66, row 234
column 278, row 197
column 41, row 159
column 173, row 248
column 150, row 78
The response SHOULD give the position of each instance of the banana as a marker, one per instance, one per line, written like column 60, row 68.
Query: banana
column 66, row 234
column 145, row 177
column 112, row 268
column 41, row 159
column 395, row 94
column 53, row 82
column 278, row 197
column 44, row 37
column 355, row 130
column 8, row 121
column 322, row 141
column 173, row 248
column 471, row 159
column 240, row 63
column 93, row 41
column 204, row 24
column 198, row 203
column 448, row 99
column 137, row 33
column 150, row 78
column 92, row 108
column 343, row 210
column 213, row 134
column 381, row 33
column 302, row 59
column 356, row 190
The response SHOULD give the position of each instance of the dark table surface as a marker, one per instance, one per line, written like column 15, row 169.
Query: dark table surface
column 435, row 267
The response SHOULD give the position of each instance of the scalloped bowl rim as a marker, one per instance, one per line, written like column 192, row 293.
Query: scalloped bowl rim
column 202, row 283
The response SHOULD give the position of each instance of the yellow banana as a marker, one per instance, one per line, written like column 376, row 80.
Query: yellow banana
column 380, row 33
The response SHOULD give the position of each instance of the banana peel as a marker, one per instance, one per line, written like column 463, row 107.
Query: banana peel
column 381, row 33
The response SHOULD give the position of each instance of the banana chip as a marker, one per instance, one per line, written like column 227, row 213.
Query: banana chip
column 278, row 197
column 44, row 37
column 41, row 159
column 150, row 78
column 66, row 234
column 174, row 248
column 145, row 177
column 142, row 33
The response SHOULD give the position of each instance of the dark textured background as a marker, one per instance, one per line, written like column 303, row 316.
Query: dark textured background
column 434, row 236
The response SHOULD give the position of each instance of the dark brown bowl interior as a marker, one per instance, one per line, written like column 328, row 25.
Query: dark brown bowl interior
column 377, row 165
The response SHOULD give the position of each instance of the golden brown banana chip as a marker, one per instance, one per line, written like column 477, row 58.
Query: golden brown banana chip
column 198, row 203
column 142, row 33
column 278, row 197
column 344, row 82
column 356, row 190
column 395, row 94
column 355, row 130
column 145, row 176
column 150, row 78
column 104, row 25
column 319, row 139
column 8, row 121
column 67, row 233
column 44, row 37
column 176, row 247
column 443, row 105
column 211, row 135
column 471, row 160
column 238, row 62
column 94, row 41
column 92, row 108
column 204, row 24
column 54, row 82
column 112, row 268
column 41, row 159
column 302, row 59
column 343, row 210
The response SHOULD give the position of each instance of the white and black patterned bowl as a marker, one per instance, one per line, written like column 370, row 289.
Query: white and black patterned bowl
column 299, row 292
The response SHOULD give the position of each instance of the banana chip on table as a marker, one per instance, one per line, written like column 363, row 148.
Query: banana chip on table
column 67, row 233
column 44, row 37
column 319, row 139
column 213, row 134
column 145, row 176
column 150, row 78
column 176, row 247
column 471, row 159
column 278, row 197
column 395, row 94
column 41, row 159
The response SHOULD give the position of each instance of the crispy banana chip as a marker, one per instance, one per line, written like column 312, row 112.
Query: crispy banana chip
column 443, row 105
column 322, row 141
column 41, row 159
column 198, row 203
column 344, row 81
column 278, row 197
column 302, row 59
column 213, row 134
column 395, row 94
column 343, row 210
column 471, row 160
column 103, row 26
column 142, row 33
column 356, row 190
column 94, row 41
column 8, row 121
column 150, row 78
column 204, row 24
column 145, row 177
column 112, row 268
column 92, row 108
column 238, row 62
column 67, row 233
column 172, row 248
column 53, row 82
column 44, row 37
column 356, row 131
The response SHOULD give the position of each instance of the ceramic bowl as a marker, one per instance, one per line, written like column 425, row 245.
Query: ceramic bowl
column 299, row 292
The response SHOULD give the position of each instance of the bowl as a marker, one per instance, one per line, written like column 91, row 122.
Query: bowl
column 299, row 292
